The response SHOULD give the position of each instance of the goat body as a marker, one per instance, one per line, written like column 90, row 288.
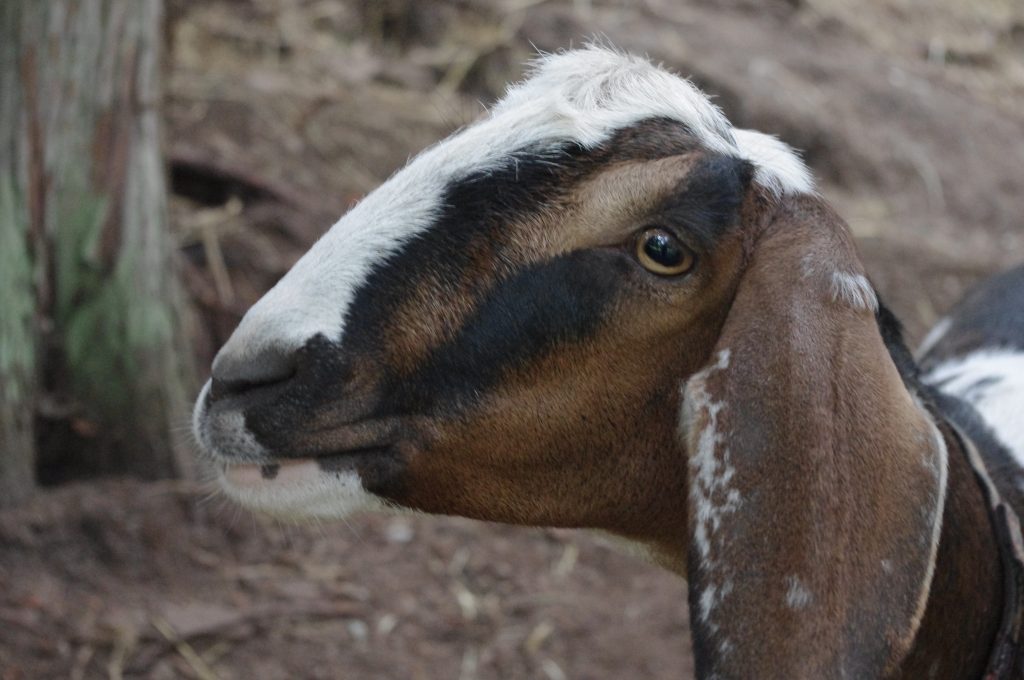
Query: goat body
column 602, row 306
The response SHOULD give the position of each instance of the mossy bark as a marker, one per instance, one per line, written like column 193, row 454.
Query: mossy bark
column 17, row 350
column 86, row 211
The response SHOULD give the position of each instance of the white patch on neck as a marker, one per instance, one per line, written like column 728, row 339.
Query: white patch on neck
column 711, row 497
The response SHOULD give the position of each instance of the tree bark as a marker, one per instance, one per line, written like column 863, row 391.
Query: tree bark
column 83, row 201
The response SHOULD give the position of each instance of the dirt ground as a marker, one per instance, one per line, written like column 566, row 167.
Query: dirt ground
column 280, row 114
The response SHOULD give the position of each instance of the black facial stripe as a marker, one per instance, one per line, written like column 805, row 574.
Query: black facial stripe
column 473, row 225
column 708, row 200
column 564, row 300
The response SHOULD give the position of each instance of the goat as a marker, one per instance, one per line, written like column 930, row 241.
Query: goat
column 603, row 306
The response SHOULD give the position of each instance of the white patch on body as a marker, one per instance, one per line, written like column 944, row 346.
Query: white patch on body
column 992, row 381
column 710, row 494
column 797, row 594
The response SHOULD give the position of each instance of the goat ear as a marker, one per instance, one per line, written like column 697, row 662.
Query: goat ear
column 817, row 480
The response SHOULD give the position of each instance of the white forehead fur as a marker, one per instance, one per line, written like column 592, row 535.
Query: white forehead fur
column 581, row 96
column 592, row 92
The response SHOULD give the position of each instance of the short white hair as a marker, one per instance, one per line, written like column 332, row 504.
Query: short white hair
column 587, row 94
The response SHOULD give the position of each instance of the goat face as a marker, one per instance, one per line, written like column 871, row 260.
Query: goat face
column 490, row 333
column 517, row 359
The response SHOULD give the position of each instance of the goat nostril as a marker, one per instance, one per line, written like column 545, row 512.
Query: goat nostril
column 232, row 375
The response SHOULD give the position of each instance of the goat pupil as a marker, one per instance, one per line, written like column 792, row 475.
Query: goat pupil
column 662, row 249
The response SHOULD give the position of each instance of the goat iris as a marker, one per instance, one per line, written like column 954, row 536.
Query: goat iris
column 662, row 253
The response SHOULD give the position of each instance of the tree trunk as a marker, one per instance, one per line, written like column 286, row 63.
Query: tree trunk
column 100, row 324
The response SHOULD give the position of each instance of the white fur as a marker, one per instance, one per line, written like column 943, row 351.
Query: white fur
column 777, row 167
column 854, row 290
column 797, row 594
column 991, row 380
column 848, row 288
column 198, row 416
column 328, row 495
column 710, row 477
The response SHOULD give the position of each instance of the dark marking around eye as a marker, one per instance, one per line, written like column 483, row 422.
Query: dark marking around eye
column 707, row 201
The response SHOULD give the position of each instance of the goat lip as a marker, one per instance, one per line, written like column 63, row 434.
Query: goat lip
column 327, row 449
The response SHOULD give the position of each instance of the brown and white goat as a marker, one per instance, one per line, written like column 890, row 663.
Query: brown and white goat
column 602, row 306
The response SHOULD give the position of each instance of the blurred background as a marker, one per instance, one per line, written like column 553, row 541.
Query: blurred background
column 164, row 162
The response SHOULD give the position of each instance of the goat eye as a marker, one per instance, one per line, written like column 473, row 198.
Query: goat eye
column 662, row 253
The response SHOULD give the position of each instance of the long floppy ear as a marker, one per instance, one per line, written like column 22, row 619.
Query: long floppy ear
column 816, row 480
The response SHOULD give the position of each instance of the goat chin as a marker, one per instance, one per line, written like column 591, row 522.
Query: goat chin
column 299, row 490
